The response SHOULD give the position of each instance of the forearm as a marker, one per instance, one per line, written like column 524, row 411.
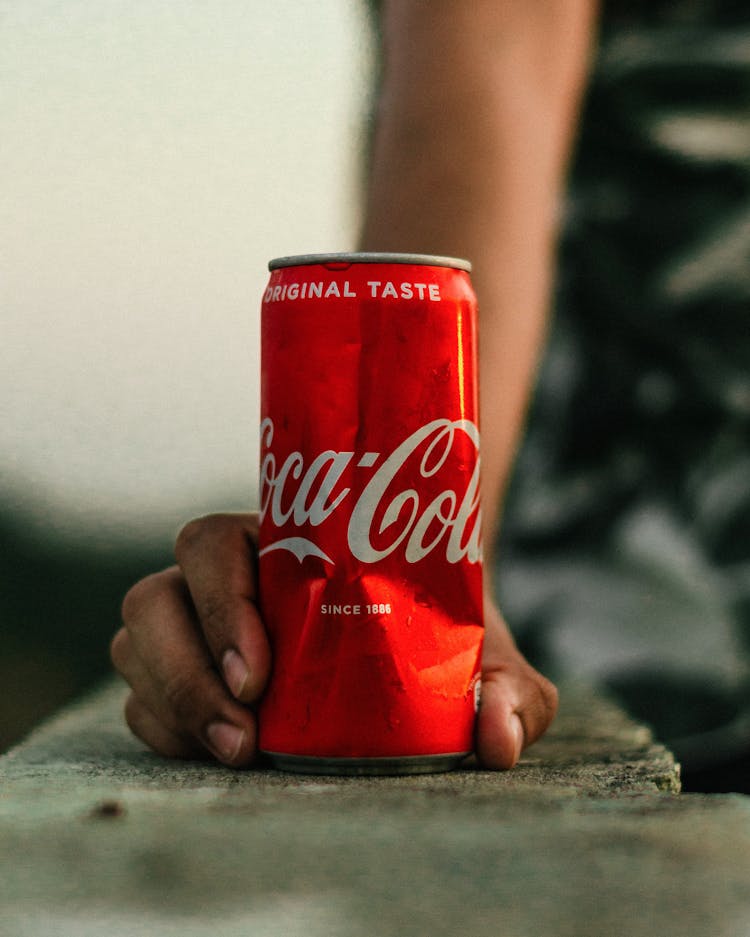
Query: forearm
column 474, row 126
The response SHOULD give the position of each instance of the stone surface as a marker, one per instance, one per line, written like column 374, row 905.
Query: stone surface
column 586, row 837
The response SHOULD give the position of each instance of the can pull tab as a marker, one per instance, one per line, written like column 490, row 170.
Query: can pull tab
column 337, row 265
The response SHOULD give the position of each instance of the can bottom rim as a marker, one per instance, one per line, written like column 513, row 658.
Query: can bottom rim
column 408, row 764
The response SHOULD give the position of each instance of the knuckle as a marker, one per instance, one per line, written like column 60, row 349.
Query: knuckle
column 131, row 603
column 148, row 594
column 131, row 714
column 140, row 596
column 119, row 650
column 200, row 530
column 134, row 718
column 189, row 535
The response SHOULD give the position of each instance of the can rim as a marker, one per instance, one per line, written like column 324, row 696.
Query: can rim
column 378, row 765
column 370, row 257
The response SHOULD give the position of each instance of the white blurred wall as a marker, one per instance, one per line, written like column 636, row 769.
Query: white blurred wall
column 154, row 155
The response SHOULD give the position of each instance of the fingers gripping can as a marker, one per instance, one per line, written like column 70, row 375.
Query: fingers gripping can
column 370, row 538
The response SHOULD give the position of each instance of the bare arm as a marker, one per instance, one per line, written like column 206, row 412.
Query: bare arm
column 475, row 121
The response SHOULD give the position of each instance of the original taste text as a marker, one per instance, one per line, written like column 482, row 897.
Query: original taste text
column 335, row 289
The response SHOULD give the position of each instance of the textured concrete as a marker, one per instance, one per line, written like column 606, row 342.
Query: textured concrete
column 586, row 837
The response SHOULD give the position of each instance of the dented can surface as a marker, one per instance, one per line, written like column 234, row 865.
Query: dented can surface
column 370, row 539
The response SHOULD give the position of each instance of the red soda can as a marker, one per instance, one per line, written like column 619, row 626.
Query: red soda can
column 370, row 537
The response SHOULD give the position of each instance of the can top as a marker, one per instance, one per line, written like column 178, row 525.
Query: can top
column 365, row 257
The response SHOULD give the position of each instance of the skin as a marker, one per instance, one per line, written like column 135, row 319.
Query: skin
column 469, row 156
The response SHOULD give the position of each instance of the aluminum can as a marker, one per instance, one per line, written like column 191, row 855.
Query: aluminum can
column 370, row 565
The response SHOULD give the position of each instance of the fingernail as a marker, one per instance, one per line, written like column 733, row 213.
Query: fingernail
column 519, row 735
column 235, row 671
column 225, row 739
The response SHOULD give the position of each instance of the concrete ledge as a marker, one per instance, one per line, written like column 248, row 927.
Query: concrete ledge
column 586, row 836
column 593, row 749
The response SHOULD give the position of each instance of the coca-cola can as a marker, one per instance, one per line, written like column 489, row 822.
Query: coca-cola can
column 370, row 559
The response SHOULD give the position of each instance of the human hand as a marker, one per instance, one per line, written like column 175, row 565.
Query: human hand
column 517, row 705
column 193, row 647
column 195, row 653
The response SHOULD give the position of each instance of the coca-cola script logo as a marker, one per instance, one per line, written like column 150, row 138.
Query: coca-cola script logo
column 383, row 517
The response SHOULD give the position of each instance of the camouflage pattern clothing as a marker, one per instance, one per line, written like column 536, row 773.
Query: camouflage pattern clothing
column 626, row 537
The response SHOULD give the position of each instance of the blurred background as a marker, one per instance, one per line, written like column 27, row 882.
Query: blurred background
column 155, row 155
column 627, row 531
